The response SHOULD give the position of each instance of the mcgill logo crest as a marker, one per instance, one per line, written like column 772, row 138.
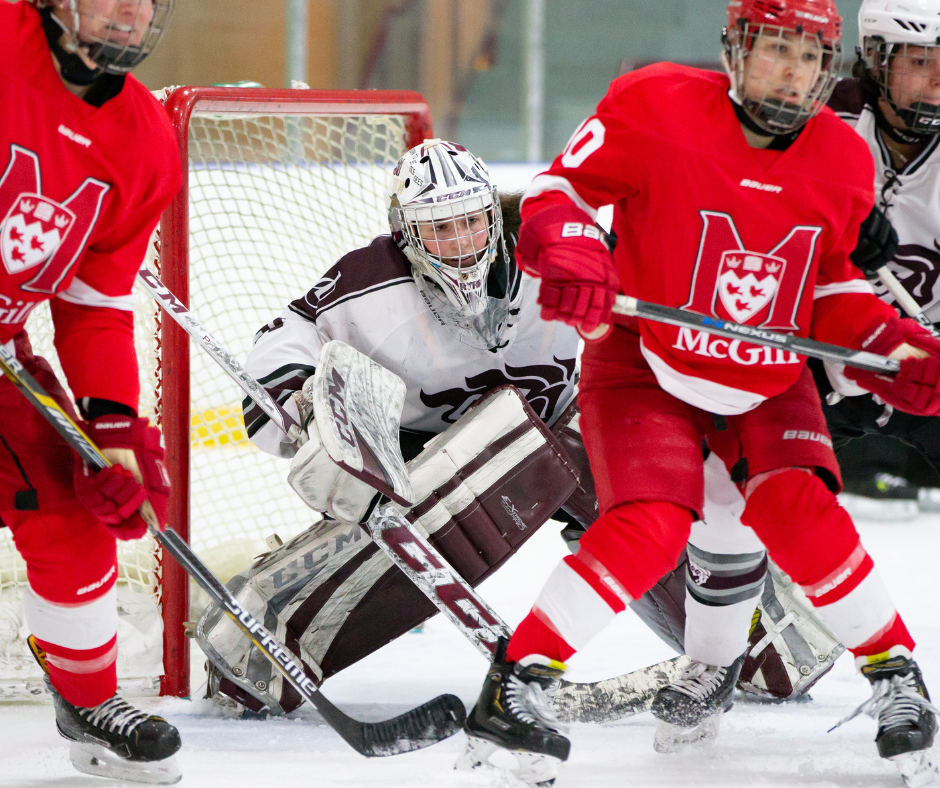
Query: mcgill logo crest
column 32, row 231
column 38, row 232
column 733, row 282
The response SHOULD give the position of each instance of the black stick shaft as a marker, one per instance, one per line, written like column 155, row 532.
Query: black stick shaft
column 632, row 307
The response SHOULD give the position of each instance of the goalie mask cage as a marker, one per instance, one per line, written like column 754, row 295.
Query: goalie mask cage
column 281, row 184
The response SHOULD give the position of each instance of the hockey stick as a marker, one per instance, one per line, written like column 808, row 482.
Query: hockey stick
column 435, row 720
column 467, row 610
column 632, row 307
column 600, row 701
column 616, row 698
column 905, row 299
column 188, row 322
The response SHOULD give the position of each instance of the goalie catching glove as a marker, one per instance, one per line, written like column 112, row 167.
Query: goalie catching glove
column 323, row 485
column 115, row 494
column 567, row 252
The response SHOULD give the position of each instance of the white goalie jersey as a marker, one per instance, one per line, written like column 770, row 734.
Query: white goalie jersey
column 370, row 301
column 909, row 197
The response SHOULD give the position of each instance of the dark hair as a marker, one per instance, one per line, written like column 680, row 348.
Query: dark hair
column 512, row 219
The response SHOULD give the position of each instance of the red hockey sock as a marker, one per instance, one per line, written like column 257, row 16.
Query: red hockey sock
column 812, row 538
column 534, row 636
column 621, row 556
column 83, row 677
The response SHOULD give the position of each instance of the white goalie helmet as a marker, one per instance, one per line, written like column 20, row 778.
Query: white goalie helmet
column 115, row 35
column 445, row 216
column 900, row 48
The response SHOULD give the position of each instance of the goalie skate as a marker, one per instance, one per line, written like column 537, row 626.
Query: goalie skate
column 688, row 711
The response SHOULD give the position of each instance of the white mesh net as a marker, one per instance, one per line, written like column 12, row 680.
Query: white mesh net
column 274, row 201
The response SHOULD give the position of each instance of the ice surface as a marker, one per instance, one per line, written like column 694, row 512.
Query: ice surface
column 758, row 745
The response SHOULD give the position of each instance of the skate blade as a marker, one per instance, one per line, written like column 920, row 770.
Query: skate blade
column 99, row 761
column 917, row 770
column 527, row 768
column 671, row 738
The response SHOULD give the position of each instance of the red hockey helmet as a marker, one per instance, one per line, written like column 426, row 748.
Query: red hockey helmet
column 800, row 26
column 818, row 17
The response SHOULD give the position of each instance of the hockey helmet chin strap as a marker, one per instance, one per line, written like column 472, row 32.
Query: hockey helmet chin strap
column 71, row 66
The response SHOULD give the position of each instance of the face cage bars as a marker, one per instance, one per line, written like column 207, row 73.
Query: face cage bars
column 465, row 283
column 769, row 113
column 115, row 58
column 920, row 117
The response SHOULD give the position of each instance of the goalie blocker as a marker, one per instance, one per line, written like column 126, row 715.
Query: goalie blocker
column 482, row 487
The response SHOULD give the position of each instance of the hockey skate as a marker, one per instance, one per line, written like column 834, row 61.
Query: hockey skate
column 907, row 722
column 114, row 739
column 513, row 725
column 689, row 710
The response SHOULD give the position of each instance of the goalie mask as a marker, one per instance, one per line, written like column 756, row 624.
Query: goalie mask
column 901, row 58
column 783, row 58
column 445, row 216
column 102, row 36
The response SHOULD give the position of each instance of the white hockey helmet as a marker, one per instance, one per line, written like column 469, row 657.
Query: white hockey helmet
column 816, row 22
column 445, row 216
column 886, row 29
column 116, row 35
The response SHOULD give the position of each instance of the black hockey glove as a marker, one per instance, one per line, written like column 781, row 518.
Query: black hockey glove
column 877, row 243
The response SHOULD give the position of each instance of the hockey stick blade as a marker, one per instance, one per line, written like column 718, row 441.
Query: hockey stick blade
column 433, row 721
column 420, row 727
column 616, row 698
column 632, row 307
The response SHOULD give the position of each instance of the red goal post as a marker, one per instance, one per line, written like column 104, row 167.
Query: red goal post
column 354, row 137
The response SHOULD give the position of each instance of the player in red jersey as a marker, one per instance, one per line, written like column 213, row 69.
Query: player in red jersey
column 87, row 165
column 739, row 197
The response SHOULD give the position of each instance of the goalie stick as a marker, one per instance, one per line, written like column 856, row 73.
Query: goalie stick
column 600, row 701
column 427, row 724
column 623, row 695
column 632, row 307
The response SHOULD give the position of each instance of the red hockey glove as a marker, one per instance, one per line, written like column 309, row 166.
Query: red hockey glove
column 916, row 388
column 115, row 494
column 579, row 282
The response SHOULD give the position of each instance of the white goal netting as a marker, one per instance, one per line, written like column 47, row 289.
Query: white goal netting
column 274, row 200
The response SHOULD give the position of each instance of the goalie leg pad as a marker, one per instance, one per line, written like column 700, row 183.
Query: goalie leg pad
column 329, row 595
column 790, row 648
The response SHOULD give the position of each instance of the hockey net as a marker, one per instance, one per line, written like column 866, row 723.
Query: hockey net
column 281, row 183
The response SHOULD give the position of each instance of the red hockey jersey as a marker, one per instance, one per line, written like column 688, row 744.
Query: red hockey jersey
column 80, row 192
column 709, row 224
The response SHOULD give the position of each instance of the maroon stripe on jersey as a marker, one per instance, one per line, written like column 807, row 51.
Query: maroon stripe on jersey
column 380, row 264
